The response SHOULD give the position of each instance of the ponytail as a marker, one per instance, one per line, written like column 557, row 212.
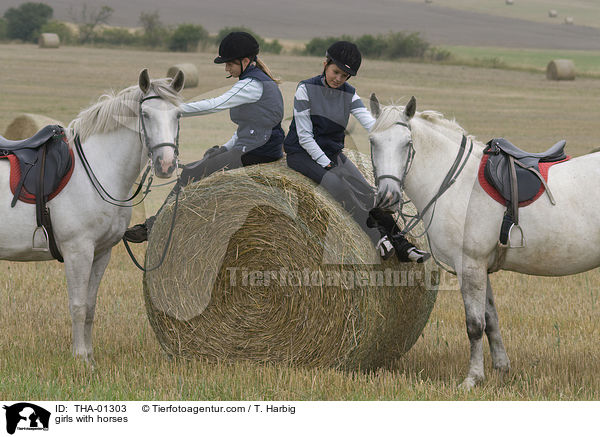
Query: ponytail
column 260, row 64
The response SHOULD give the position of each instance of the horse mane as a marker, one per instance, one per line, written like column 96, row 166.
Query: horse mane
column 118, row 109
column 391, row 114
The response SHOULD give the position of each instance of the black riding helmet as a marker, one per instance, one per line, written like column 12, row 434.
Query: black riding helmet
column 345, row 55
column 237, row 45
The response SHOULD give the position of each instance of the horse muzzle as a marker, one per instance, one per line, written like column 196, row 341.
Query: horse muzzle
column 389, row 194
column 164, row 159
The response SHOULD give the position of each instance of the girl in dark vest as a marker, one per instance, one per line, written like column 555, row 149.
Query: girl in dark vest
column 256, row 106
column 314, row 144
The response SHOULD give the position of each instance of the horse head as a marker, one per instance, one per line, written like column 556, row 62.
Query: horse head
column 159, row 124
column 391, row 151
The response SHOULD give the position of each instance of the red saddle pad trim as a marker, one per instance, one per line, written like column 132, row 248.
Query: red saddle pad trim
column 15, row 177
column 494, row 194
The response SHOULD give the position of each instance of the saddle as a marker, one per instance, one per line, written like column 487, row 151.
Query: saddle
column 40, row 168
column 519, row 178
column 528, row 177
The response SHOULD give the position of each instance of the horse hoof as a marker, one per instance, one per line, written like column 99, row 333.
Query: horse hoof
column 469, row 383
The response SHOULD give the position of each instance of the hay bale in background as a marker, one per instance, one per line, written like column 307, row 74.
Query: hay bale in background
column 552, row 13
column 190, row 73
column 26, row 125
column 48, row 41
column 265, row 266
column 510, row 2
column 428, row 1
column 569, row 20
column 560, row 69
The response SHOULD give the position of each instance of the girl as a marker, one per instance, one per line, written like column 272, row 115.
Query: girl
column 255, row 105
column 314, row 144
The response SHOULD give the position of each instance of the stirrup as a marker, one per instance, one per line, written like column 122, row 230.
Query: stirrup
column 522, row 243
column 46, row 246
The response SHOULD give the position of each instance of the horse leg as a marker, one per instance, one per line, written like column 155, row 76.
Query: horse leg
column 500, row 359
column 78, row 265
column 98, row 267
column 473, row 288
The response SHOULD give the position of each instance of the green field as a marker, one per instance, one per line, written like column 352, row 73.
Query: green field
column 584, row 12
column 587, row 63
column 550, row 325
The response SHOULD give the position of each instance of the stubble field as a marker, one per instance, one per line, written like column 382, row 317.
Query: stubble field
column 550, row 325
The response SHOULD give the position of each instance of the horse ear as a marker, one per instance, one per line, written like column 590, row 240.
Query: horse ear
column 375, row 109
column 178, row 81
column 144, row 81
column 411, row 108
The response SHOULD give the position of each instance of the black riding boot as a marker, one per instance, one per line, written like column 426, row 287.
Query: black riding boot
column 392, row 241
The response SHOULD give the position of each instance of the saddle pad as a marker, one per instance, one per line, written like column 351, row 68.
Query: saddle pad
column 544, row 167
column 15, row 177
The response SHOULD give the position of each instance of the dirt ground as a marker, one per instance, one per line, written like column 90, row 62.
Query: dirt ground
column 290, row 19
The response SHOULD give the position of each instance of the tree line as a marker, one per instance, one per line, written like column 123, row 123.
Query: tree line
column 91, row 26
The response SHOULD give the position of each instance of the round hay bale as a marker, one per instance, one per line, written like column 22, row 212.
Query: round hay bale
column 190, row 73
column 265, row 266
column 510, row 2
column 553, row 13
column 49, row 41
column 428, row 1
column 560, row 69
column 26, row 125
column 569, row 20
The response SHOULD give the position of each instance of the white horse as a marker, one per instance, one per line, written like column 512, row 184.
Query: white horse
column 465, row 222
column 85, row 225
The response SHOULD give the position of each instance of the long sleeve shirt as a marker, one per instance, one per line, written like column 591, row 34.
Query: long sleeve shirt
column 304, row 124
column 245, row 91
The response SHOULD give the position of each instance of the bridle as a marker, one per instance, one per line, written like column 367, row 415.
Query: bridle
column 144, row 139
column 408, row 164
column 105, row 195
column 143, row 133
column 411, row 221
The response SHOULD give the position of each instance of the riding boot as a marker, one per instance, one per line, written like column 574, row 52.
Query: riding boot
column 139, row 233
column 391, row 235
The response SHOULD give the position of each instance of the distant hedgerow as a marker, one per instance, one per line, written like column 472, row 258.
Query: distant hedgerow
column 188, row 37
column 391, row 45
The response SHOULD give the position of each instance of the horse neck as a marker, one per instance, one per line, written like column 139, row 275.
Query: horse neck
column 115, row 158
column 435, row 153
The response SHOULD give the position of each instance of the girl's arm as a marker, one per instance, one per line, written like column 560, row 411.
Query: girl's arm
column 304, row 127
column 245, row 91
column 362, row 114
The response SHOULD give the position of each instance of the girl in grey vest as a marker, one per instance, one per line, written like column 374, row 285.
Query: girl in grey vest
column 314, row 144
column 255, row 105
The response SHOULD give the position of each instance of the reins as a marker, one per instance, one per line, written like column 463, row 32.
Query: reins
column 411, row 221
column 455, row 170
column 107, row 197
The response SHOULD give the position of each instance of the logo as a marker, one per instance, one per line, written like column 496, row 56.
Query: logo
column 27, row 417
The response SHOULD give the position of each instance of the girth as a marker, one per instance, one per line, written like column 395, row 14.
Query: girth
column 43, row 161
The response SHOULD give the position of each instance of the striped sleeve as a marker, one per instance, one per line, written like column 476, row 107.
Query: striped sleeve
column 362, row 114
column 304, row 127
